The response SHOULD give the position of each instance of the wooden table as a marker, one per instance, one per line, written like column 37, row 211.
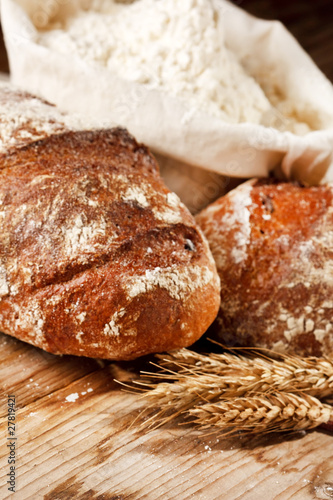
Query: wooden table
column 74, row 441
column 73, row 421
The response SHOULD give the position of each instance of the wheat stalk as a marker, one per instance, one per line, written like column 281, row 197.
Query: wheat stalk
column 254, row 371
column 263, row 414
column 211, row 388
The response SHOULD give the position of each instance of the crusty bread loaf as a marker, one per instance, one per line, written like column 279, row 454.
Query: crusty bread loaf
column 97, row 257
column 273, row 246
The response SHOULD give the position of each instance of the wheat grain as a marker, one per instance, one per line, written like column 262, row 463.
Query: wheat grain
column 250, row 392
column 252, row 372
column 263, row 414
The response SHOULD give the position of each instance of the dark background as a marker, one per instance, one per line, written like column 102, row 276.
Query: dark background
column 311, row 22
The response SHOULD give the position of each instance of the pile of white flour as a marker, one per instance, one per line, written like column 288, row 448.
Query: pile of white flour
column 176, row 46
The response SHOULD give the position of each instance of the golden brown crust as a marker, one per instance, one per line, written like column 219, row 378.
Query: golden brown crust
column 97, row 257
column 273, row 245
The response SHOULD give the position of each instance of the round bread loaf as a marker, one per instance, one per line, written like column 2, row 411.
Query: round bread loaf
column 273, row 246
column 97, row 257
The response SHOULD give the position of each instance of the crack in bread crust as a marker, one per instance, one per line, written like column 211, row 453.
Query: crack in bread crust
column 86, row 218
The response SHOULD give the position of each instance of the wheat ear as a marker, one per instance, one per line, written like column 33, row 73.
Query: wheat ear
column 255, row 371
column 263, row 414
column 211, row 388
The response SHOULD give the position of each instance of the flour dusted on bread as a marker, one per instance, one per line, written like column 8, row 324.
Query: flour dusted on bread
column 273, row 247
column 97, row 257
column 178, row 47
column 25, row 118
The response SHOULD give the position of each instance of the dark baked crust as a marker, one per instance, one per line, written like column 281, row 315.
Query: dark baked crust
column 273, row 245
column 97, row 257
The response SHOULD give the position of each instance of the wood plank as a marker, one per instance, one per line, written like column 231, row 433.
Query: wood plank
column 33, row 373
column 85, row 448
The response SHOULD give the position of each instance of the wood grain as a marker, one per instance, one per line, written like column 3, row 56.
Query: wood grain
column 86, row 449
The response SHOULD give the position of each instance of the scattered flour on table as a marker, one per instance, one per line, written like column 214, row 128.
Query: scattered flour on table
column 175, row 46
column 72, row 397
